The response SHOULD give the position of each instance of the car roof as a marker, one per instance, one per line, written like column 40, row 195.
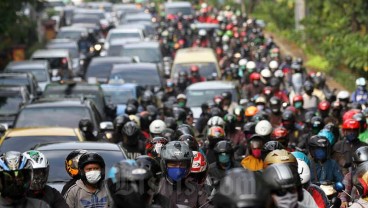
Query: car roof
column 27, row 64
column 122, row 30
column 145, row 44
column 120, row 86
column 140, row 15
column 42, row 131
column 106, row 59
column 195, row 55
column 212, row 85
column 74, row 85
column 178, row 4
column 73, row 28
column 57, row 103
column 50, row 53
column 16, row 74
column 123, row 41
column 79, row 145
column 133, row 66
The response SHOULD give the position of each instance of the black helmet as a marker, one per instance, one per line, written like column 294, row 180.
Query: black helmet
column 145, row 119
column 227, row 95
column 169, row 134
column 85, row 125
column 180, row 115
column 308, row 117
column 190, row 140
column 275, row 82
column 288, row 59
column 184, row 129
column 215, row 111
column 242, row 188
column 71, row 162
column 319, row 144
column 131, row 129
column 88, row 158
column 133, row 101
column 316, row 124
column 308, row 86
column 151, row 164
column 360, row 155
column 270, row 146
column 280, row 176
column 223, row 147
column 176, row 151
column 334, row 129
column 152, row 110
column 275, row 104
column 171, row 123
column 147, row 98
column 299, row 61
column 288, row 115
column 259, row 116
column 249, row 128
column 130, row 109
column 119, row 122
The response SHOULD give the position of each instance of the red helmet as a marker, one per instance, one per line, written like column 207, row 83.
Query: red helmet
column 254, row 76
column 153, row 147
column 349, row 114
column 199, row 167
column 351, row 124
column 194, row 68
column 324, row 105
column 267, row 90
column 218, row 99
column 297, row 98
column 229, row 26
column 279, row 132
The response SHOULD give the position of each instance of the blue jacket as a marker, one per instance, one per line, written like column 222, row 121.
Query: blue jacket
column 359, row 96
column 327, row 171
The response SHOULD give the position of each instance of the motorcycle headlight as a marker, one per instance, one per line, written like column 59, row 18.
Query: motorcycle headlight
column 97, row 47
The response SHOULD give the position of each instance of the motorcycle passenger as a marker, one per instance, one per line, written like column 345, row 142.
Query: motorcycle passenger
column 275, row 115
column 71, row 167
column 234, row 135
column 254, row 160
column 360, row 182
column 38, row 188
column 132, row 141
column 360, row 95
column 195, row 75
column 310, row 101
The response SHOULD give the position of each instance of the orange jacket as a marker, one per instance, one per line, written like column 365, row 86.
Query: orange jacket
column 252, row 163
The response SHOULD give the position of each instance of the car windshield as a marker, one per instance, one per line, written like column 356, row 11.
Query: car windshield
column 17, row 81
column 141, row 77
column 151, row 55
column 24, row 143
column 99, row 70
column 55, row 63
column 197, row 97
column 56, row 159
column 74, row 35
column 120, row 35
column 9, row 104
column 52, row 116
column 74, row 53
column 114, row 50
column 176, row 10
column 40, row 74
column 205, row 69
column 117, row 96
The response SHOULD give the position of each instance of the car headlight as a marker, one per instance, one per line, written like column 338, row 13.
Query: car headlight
column 98, row 47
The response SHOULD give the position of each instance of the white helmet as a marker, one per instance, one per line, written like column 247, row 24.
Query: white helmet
column 202, row 32
column 216, row 121
column 242, row 62
column 263, row 128
column 40, row 167
column 304, row 171
column 266, row 73
column 225, row 38
column 279, row 74
column 360, row 81
column 157, row 126
column 273, row 65
column 251, row 65
column 343, row 95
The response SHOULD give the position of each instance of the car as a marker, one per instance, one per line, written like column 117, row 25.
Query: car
column 12, row 98
column 173, row 8
column 143, row 74
column 23, row 139
column 57, row 152
column 40, row 69
column 79, row 90
column 202, row 92
column 138, row 17
column 118, row 94
column 147, row 52
column 148, row 29
column 204, row 58
column 59, row 59
column 100, row 67
column 116, row 46
column 72, row 47
column 22, row 79
column 58, row 113
column 121, row 33
column 72, row 33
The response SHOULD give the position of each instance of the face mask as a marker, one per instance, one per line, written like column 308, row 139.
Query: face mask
column 298, row 105
column 224, row 158
column 320, row 154
column 93, row 176
column 256, row 153
column 289, row 200
column 176, row 174
column 351, row 136
column 181, row 104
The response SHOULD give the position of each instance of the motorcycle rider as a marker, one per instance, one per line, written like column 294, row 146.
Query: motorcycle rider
column 71, row 167
column 255, row 86
column 16, row 176
column 38, row 188
column 132, row 141
column 236, row 136
column 360, row 182
column 360, row 95
column 310, row 101
column 254, row 160
column 275, row 115
column 194, row 75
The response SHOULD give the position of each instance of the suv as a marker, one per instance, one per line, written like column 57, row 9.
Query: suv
column 22, row 79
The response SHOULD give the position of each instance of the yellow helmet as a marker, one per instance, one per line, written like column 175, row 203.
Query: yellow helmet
column 279, row 156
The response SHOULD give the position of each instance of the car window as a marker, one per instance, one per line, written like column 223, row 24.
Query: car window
column 40, row 74
column 55, row 63
column 143, row 77
column 118, row 35
column 195, row 98
column 24, row 143
column 56, row 159
column 151, row 55
column 117, row 96
column 114, row 50
column 175, row 10
column 9, row 104
column 16, row 81
column 99, row 70
column 74, row 35
column 52, row 116
column 205, row 69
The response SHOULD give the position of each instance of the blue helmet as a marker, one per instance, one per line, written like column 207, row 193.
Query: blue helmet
column 301, row 156
column 329, row 135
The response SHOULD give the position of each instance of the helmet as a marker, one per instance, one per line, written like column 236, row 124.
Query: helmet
column 215, row 134
column 170, row 122
column 308, row 86
column 131, row 109
column 216, row 121
column 184, row 129
column 215, row 111
column 180, row 115
column 85, row 125
column 176, row 151
column 202, row 32
column 360, row 155
column 146, row 98
column 149, row 163
column 324, row 105
column 301, row 156
column 270, row 146
column 349, row 114
column 263, row 128
column 243, row 62
column 279, row 156
column 329, row 135
column 280, row 134
column 153, row 147
column 131, row 129
column 297, row 98
column 288, row 115
column 273, row 65
column 156, row 127
column 71, row 162
column 275, row 104
column 260, row 115
column 251, row 111
column 249, row 128
column 360, row 179
column 316, row 124
column 251, row 65
column 261, row 100
column 190, row 140
column 194, row 68
column 230, row 120
column 239, row 113
column 119, row 122
column 227, row 95
column 91, row 158
column 279, row 74
column 40, row 167
column 360, row 82
column 199, row 167
column 266, row 73
column 254, row 76
column 15, row 175
column 343, row 95
column 223, row 147
column 281, row 176
column 242, row 188
column 351, row 124
column 317, row 145
column 304, row 171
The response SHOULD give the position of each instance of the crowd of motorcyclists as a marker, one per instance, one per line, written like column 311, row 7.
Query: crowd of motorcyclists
column 290, row 141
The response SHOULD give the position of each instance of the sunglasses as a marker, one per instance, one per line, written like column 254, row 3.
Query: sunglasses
column 283, row 192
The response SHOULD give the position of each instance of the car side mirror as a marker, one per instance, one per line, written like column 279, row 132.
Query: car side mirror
column 106, row 125
column 3, row 129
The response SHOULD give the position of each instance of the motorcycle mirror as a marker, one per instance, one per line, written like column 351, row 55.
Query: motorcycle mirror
column 339, row 187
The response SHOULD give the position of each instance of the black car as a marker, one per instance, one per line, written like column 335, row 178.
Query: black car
column 12, row 98
column 57, row 152
column 22, row 79
column 58, row 113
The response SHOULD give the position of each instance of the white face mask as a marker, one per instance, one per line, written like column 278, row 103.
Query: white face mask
column 93, row 176
column 290, row 200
